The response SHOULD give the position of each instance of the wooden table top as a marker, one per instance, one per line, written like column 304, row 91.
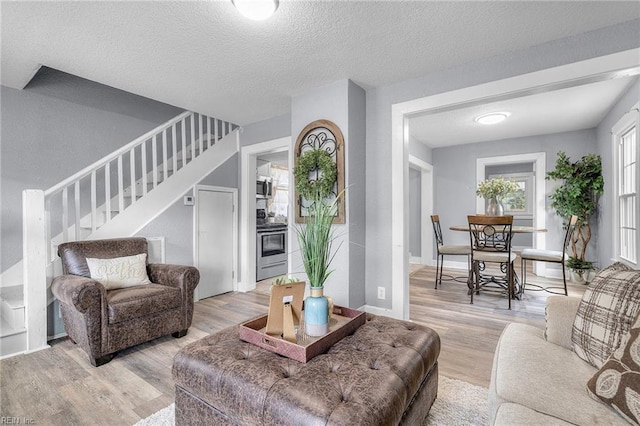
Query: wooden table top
column 515, row 229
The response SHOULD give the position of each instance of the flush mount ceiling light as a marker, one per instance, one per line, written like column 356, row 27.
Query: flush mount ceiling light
column 258, row 10
column 492, row 117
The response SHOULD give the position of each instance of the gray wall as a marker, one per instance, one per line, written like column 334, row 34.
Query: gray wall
column 356, row 183
column 380, row 100
column 266, row 130
column 343, row 103
column 38, row 122
column 455, row 176
column 176, row 223
column 46, row 127
column 56, row 126
column 605, row 211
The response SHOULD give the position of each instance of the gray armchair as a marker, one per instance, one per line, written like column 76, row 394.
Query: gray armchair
column 105, row 321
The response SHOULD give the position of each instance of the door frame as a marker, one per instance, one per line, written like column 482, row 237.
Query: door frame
column 196, row 228
column 248, row 155
column 539, row 160
column 426, row 208
column 590, row 70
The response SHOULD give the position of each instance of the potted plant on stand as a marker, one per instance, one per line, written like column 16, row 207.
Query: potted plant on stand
column 494, row 190
column 581, row 185
column 316, row 236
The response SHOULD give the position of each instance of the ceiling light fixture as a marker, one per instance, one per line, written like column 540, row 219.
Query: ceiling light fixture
column 492, row 118
column 258, row 10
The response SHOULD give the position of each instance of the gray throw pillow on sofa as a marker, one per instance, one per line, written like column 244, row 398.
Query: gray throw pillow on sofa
column 608, row 307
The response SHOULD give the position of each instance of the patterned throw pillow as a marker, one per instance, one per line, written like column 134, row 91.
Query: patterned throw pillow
column 618, row 382
column 120, row 272
column 608, row 307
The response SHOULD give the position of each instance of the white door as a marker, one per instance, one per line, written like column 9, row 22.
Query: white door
column 215, row 242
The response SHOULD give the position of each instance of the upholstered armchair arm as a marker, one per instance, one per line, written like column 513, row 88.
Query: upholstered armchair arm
column 560, row 313
column 185, row 277
column 80, row 292
column 84, row 310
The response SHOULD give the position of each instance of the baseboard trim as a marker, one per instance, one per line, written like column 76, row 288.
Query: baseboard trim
column 375, row 310
column 57, row 336
column 38, row 349
column 12, row 355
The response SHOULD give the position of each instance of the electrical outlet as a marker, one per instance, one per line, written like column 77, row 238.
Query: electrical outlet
column 381, row 295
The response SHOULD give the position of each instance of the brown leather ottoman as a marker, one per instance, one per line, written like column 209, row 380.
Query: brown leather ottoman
column 386, row 373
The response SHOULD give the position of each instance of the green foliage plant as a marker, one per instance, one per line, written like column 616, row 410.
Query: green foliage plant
column 581, row 186
column 316, row 238
column 319, row 161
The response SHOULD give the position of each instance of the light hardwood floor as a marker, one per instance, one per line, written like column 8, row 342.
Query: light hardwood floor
column 59, row 386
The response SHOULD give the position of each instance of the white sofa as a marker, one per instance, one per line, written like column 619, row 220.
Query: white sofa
column 538, row 381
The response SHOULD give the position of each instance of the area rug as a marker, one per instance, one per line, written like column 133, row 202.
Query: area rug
column 458, row 403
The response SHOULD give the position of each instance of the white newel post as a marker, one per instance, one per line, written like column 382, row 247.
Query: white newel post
column 34, row 263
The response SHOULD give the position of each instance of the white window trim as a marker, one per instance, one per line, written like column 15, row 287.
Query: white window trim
column 630, row 119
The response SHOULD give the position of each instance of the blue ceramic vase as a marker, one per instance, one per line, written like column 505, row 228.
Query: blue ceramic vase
column 316, row 313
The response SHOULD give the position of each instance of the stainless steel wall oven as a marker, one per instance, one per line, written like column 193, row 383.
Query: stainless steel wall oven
column 271, row 251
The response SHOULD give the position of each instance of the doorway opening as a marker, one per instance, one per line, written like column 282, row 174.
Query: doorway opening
column 420, row 210
column 570, row 75
column 250, row 203
column 523, row 165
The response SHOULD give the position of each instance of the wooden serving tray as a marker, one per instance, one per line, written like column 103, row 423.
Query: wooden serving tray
column 344, row 322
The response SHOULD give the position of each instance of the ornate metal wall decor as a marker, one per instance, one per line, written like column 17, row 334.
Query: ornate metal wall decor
column 326, row 136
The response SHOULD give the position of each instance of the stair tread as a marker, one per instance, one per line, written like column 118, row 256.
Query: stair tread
column 13, row 296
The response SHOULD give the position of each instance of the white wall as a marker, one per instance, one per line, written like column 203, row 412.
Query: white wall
column 415, row 207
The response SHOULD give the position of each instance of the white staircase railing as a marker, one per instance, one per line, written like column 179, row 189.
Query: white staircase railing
column 110, row 191
column 79, row 205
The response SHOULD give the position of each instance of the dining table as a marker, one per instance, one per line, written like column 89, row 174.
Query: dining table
column 515, row 229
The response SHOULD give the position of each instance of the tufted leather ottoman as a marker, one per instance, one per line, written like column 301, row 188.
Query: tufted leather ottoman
column 386, row 373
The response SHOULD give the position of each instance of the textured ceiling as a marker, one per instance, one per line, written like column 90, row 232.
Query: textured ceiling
column 204, row 56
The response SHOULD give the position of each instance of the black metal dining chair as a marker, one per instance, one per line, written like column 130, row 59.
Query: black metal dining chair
column 491, row 244
column 548, row 256
column 446, row 250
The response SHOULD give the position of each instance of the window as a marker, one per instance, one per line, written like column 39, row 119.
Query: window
column 279, row 203
column 626, row 199
column 520, row 203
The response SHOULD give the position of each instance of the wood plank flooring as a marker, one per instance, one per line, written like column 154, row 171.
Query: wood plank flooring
column 470, row 333
column 59, row 386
